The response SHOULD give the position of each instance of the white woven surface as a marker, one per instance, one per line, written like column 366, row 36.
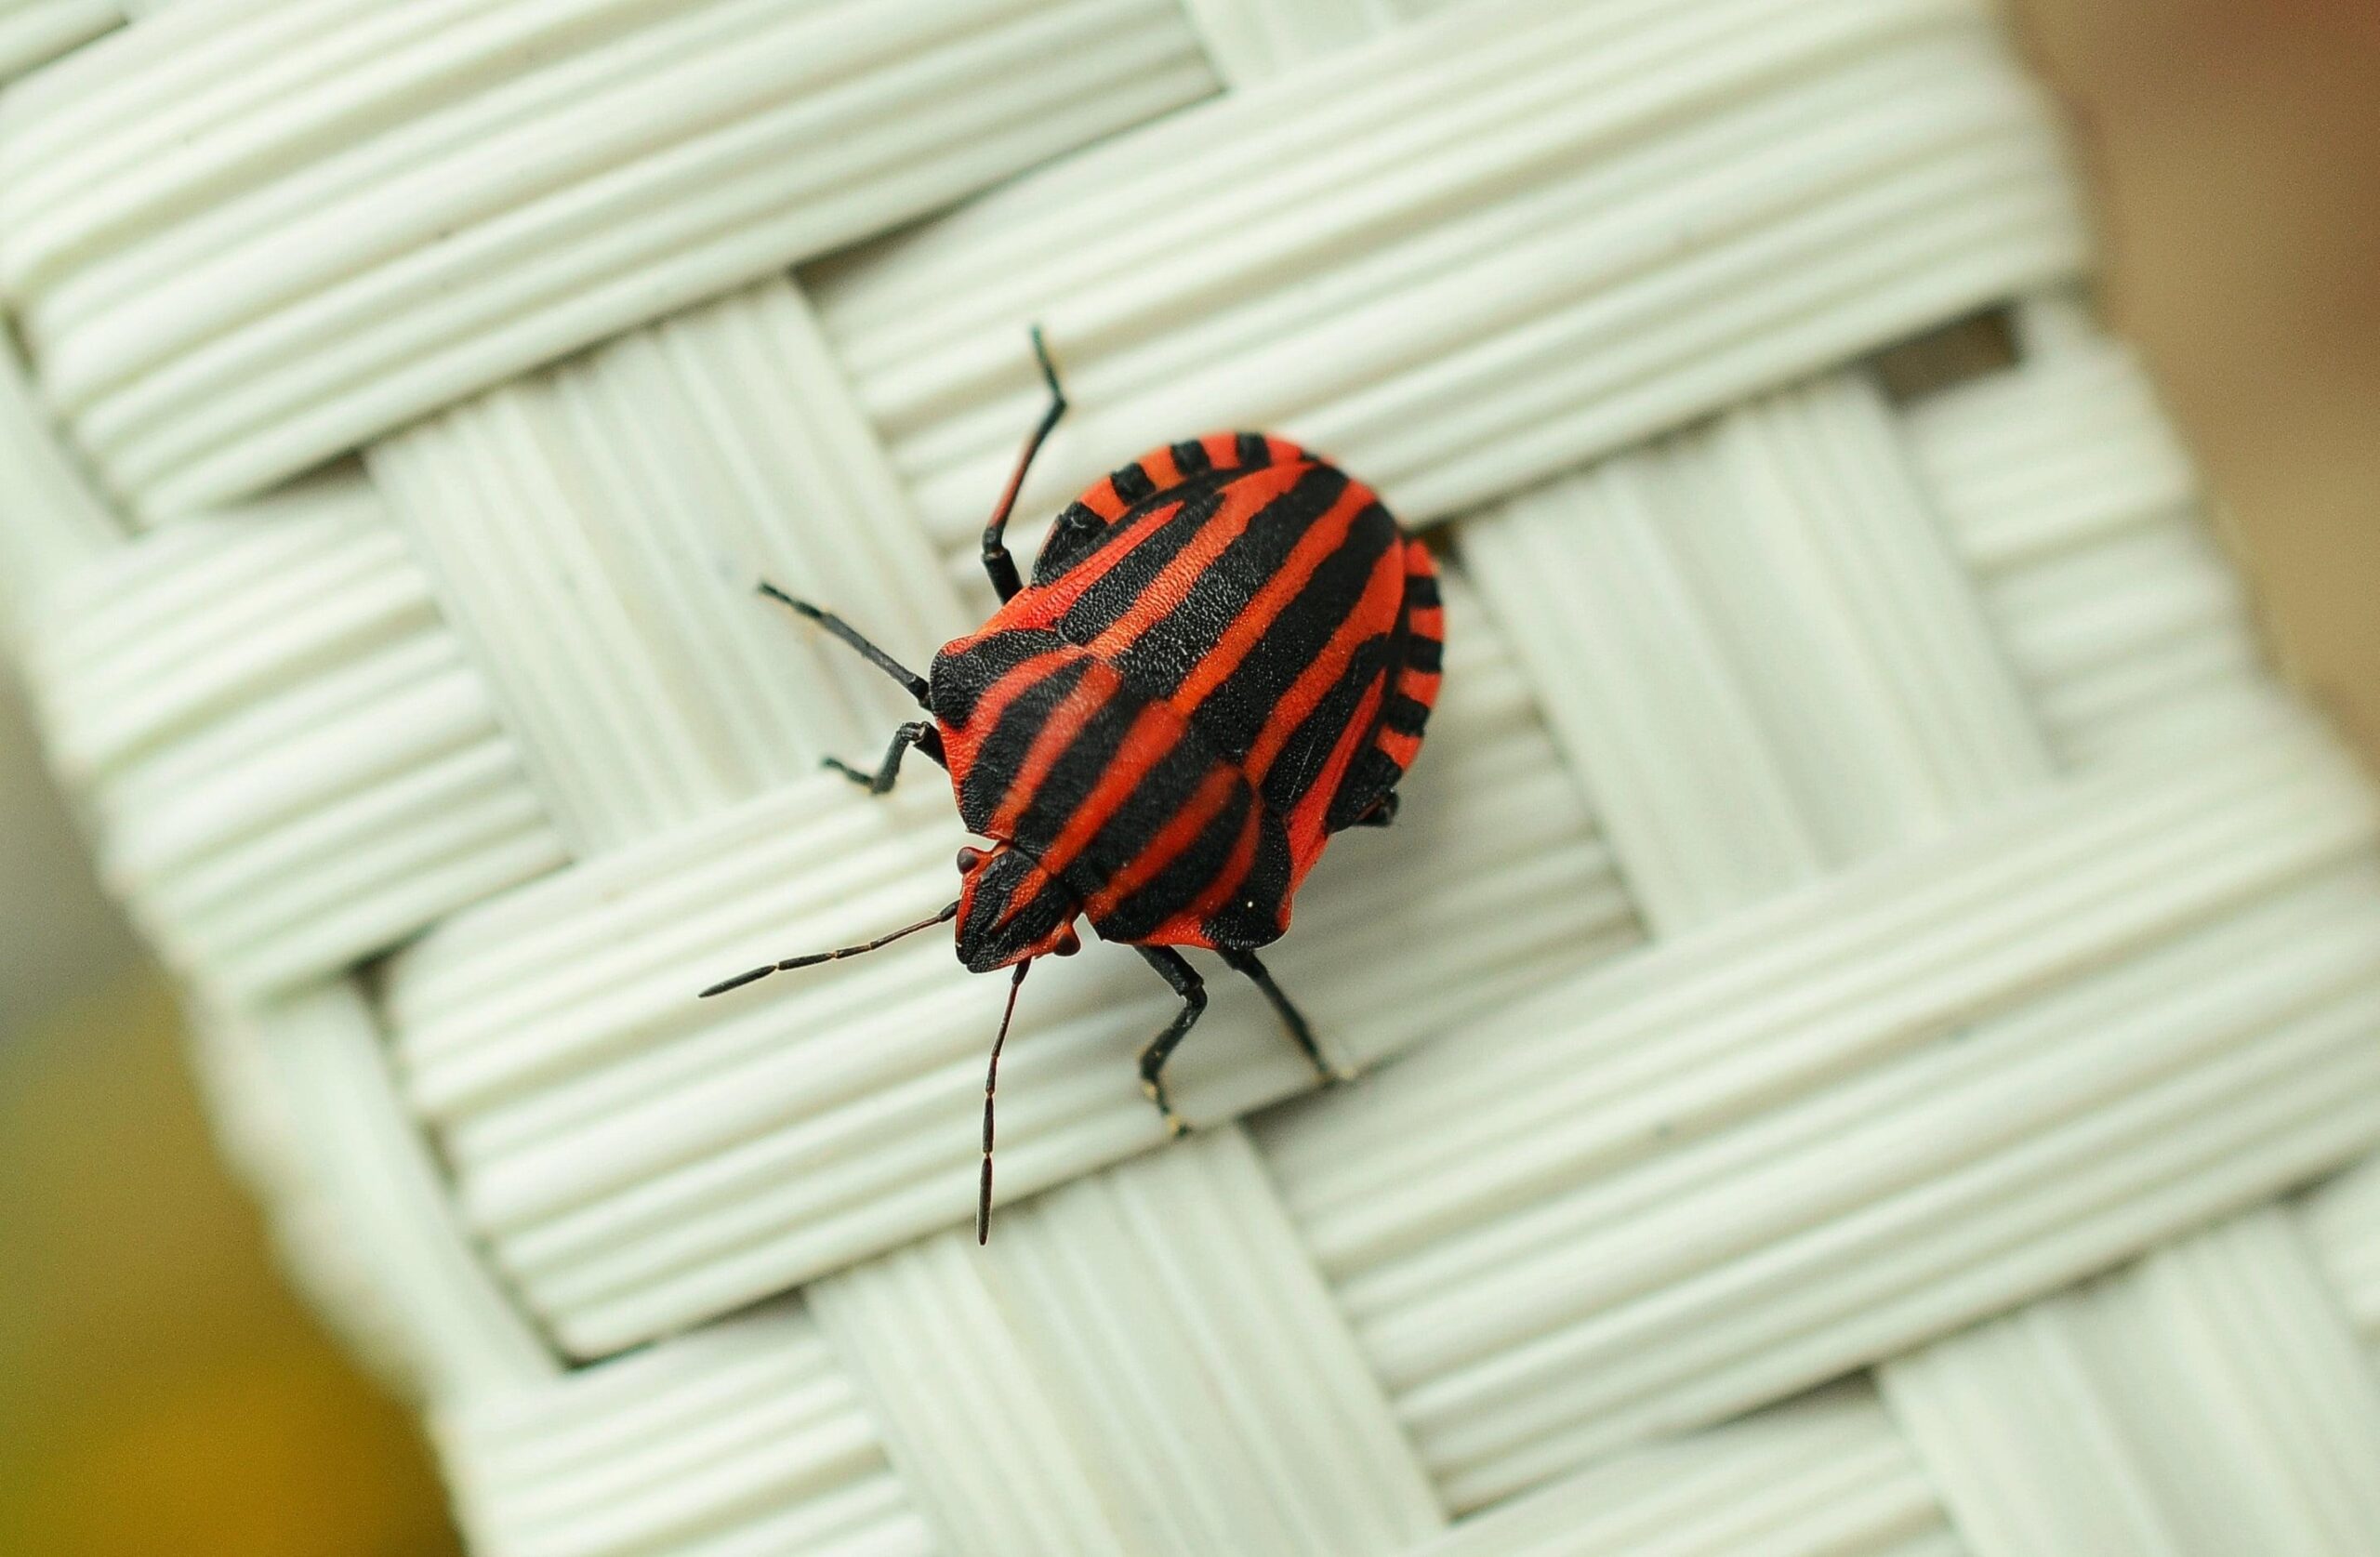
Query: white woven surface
column 1862, row 883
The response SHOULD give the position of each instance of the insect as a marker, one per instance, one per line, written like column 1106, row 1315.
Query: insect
column 1228, row 654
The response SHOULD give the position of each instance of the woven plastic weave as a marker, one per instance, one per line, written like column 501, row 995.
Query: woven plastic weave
column 1866, row 991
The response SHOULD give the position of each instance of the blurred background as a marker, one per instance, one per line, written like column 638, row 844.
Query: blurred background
column 160, row 1393
column 2234, row 152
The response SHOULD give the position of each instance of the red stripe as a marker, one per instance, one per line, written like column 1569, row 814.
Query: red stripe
column 1314, row 684
column 1098, row 684
column 1400, row 747
column 1227, row 881
column 1043, row 604
column 1180, row 830
column 1153, row 733
column 1102, row 499
column 1011, row 685
column 1421, row 686
column 1172, row 585
column 1325, row 537
column 1155, row 730
column 1304, row 822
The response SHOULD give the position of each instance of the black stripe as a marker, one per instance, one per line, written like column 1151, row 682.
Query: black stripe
column 1405, row 714
column 1190, row 459
column 1235, row 714
column 1188, row 875
column 961, row 677
column 1162, row 658
column 1001, row 757
column 1079, row 766
column 1073, row 537
column 1421, row 591
column 1307, row 751
column 1425, row 654
column 1370, row 776
column 1116, row 590
column 1252, row 918
column 1132, row 484
column 1254, row 453
column 1164, row 789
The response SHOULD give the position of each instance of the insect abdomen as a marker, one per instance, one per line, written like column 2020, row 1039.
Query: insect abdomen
column 1409, row 694
column 1118, row 797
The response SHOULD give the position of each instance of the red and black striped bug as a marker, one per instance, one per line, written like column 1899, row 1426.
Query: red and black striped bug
column 1227, row 654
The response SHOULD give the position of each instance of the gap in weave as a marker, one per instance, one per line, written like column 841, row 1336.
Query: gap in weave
column 1959, row 352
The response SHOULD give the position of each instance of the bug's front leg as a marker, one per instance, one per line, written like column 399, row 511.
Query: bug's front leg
column 1291, row 1018
column 1185, row 983
column 916, row 732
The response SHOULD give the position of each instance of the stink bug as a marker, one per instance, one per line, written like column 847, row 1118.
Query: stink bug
column 1227, row 654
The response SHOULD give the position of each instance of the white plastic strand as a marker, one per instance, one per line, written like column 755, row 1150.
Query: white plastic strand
column 2064, row 488
column 2064, row 448
column 2343, row 1219
column 294, row 764
column 1517, row 235
column 241, row 248
column 32, row 31
column 1828, row 1476
column 55, row 525
column 2210, row 1401
column 1523, row 1289
column 1088, row 1384
column 1252, row 40
column 598, row 533
column 1809, row 678
column 744, row 1438
column 362, row 1210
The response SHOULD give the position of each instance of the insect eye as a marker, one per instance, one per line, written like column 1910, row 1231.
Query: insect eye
column 969, row 859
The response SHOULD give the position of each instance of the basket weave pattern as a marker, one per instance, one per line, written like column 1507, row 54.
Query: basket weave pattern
column 1871, row 962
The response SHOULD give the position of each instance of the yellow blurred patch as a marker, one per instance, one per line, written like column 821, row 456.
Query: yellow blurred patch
column 160, row 1391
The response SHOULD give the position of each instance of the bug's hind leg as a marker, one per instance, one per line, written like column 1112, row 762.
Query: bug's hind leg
column 1301, row 1033
column 917, row 733
column 914, row 683
column 1174, row 970
column 996, row 562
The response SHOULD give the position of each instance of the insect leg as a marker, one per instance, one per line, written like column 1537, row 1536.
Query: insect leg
column 996, row 562
column 1291, row 1018
column 917, row 733
column 851, row 635
column 1174, row 970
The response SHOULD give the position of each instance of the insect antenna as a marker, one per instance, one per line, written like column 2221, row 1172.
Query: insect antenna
column 991, row 1086
column 916, row 684
column 789, row 964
